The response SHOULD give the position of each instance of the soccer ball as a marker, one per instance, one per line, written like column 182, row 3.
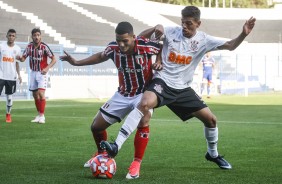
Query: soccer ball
column 103, row 166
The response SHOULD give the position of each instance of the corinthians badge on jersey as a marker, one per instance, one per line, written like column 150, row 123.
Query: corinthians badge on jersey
column 194, row 45
column 158, row 88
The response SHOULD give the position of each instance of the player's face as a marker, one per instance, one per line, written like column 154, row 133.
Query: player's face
column 189, row 26
column 11, row 38
column 126, row 42
column 36, row 37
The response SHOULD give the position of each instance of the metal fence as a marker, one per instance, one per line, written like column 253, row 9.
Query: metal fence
column 234, row 73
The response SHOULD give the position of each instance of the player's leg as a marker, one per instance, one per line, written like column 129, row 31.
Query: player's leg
column 10, row 88
column 148, row 101
column 114, row 110
column 9, row 104
column 204, row 82
column 33, row 87
column 209, row 81
column 42, row 81
column 211, row 134
column 99, row 133
column 140, row 144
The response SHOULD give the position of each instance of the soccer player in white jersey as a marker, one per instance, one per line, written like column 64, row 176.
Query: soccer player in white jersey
column 183, row 49
column 9, row 70
column 38, row 53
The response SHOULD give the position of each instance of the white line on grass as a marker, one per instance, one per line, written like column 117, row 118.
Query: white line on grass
column 163, row 120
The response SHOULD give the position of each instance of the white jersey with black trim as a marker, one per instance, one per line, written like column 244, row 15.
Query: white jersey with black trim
column 8, row 61
column 181, row 56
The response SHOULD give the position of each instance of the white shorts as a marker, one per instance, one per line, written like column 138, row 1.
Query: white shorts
column 115, row 109
column 37, row 81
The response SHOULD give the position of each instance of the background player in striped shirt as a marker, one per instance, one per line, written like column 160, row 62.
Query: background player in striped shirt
column 38, row 53
column 133, row 58
column 207, row 64
column 183, row 49
column 9, row 69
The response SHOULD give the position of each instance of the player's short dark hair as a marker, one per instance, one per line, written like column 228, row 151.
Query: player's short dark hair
column 191, row 11
column 35, row 30
column 123, row 28
column 11, row 31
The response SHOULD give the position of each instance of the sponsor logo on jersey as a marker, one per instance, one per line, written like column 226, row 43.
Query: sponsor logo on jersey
column 8, row 59
column 130, row 70
column 179, row 59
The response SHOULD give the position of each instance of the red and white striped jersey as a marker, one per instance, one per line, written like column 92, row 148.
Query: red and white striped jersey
column 38, row 57
column 134, row 70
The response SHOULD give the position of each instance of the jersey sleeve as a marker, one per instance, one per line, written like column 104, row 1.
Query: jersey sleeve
column 108, row 51
column 25, row 52
column 212, row 43
column 49, row 52
column 152, row 47
column 18, row 52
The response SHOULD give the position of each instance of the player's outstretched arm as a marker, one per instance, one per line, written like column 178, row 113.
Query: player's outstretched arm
column 158, row 30
column 247, row 29
column 92, row 60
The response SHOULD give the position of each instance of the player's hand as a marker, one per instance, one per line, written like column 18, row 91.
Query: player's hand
column 68, row 58
column 157, row 66
column 20, row 58
column 20, row 79
column 44, row 71
column 249, row 25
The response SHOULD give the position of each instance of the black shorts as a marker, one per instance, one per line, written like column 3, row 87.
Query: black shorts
column 10, row 86
column 183, row 102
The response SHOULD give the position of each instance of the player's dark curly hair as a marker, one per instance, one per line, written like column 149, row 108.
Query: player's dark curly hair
column 35, row 30
column 123, row 28
column 191, row 11
column 11, row 31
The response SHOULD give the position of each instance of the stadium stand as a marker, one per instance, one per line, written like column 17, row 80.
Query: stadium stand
column 114, row 15
column 14, row 20
column 71, row 24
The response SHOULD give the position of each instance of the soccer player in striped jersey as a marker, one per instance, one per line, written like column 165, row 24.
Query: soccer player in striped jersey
column 133, row 58
column 9, row 70
column 38, row 53
column 183, row 49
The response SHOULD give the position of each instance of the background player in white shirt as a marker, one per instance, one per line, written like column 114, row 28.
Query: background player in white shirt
column 9, row 70
column 183, row 49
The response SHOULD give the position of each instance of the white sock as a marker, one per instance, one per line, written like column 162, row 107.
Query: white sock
column 211, row 135
column 130, row 124
column 9, row 103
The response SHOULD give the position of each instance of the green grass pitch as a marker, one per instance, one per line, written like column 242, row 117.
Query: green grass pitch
column 250, row 137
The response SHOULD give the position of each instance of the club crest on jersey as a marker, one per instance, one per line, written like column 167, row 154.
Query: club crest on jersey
column 139, row 59
column 40, row 52
column 194, row 45
column 158, row 88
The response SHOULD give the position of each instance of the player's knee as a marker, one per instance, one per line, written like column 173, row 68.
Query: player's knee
column 212, row 122
column 143, row 106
